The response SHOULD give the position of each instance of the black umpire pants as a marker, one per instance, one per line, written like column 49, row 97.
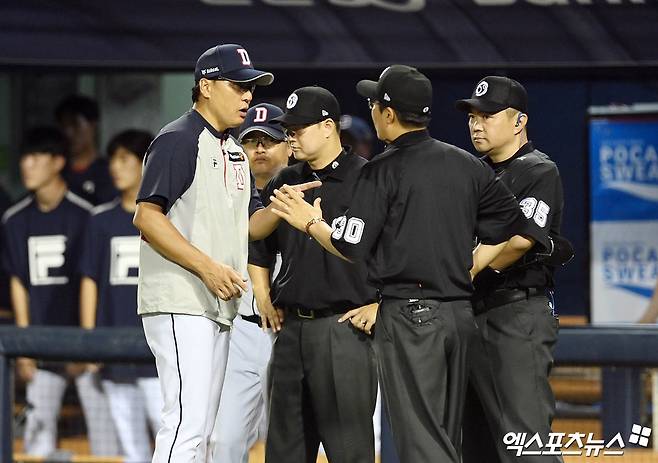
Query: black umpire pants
column 324, row 388
column 421, row 356
column 510, row 361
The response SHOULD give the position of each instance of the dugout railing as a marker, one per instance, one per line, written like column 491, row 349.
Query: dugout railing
column 624, row 349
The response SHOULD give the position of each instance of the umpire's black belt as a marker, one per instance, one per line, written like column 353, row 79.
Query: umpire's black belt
column 311, row 314
column 505, row 296
column 252, row 318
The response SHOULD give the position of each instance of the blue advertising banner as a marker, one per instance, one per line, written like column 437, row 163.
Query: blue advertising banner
column 624, row 214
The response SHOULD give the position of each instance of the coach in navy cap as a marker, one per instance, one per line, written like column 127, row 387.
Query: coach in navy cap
column 196, row 209
column 264, row 142
column 229, row 62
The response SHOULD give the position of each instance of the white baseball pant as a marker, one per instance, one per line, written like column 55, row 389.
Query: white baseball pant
column 243, row 408
column 190, row 355
column 135, row 406
column 44, row 394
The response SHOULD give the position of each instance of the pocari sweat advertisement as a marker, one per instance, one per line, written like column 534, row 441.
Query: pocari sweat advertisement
column 624, row 214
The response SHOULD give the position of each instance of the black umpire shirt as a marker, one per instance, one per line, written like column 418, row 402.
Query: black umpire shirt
column 535, row 181
column 415, row 212
column 310, row 277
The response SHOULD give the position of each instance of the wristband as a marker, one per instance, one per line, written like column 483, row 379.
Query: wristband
column 312, row 222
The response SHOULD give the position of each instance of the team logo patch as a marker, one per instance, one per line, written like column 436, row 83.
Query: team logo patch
column 292, row 101
column 235, row 156
column 240, row 178
column 89, row 187
column 124, row 260
column 386, row 97
column 482, row 88
column 325, row 113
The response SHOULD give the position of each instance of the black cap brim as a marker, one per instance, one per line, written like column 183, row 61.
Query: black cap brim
column 367, row 89
column 276, row 134
column 489, row 107
column 250, row 75
column 288, row 120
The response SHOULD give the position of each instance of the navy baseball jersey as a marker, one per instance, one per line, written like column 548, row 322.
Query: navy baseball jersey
column 92, row 184
column 42, row 250
column 5, row 202
column 110, row 257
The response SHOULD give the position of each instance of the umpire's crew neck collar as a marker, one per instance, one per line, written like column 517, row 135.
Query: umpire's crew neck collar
column 207, row 125
column 336, row 169
column 411, row 138
column 527, row 148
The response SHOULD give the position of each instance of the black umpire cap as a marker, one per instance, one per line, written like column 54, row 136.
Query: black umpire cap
column 229, row 62
column 493, row 94
column 260, row 119
column 309, row 105
column 401, row 87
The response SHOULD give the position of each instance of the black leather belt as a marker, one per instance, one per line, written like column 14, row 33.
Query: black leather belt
column 505, row 296
column 251, row 318
column 311, row 314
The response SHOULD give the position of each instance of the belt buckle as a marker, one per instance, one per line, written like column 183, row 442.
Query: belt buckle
column 306, row 313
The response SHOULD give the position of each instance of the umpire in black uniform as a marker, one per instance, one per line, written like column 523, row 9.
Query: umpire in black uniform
column 513, row 301
column 413, row 217
column 324, row 381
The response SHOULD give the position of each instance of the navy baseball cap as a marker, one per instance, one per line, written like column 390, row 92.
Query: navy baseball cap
column 259, row 119
column 309, row 105
column 229, row 62
column 401, row 87
column 356, row 127
column 495, row 93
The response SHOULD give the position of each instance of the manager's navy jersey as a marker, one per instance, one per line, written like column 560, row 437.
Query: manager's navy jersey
column 93, row 183
column 415, row 213
column 535, row 181
column 201, row 179
column 42, row 250
column 310, row 277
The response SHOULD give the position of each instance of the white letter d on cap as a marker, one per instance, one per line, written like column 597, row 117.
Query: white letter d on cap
column 244, row 55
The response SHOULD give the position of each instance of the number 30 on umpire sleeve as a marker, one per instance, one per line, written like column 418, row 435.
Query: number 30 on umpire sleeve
column 538, row 210
column 351, row 230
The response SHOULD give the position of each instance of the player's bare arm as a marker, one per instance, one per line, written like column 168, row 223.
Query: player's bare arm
column 271, row 317
column 289, row 205
column 362, row 318
column 20, row 301
column 263, row 222
column 88, row 302
column 161, row 234
column 484, row 254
